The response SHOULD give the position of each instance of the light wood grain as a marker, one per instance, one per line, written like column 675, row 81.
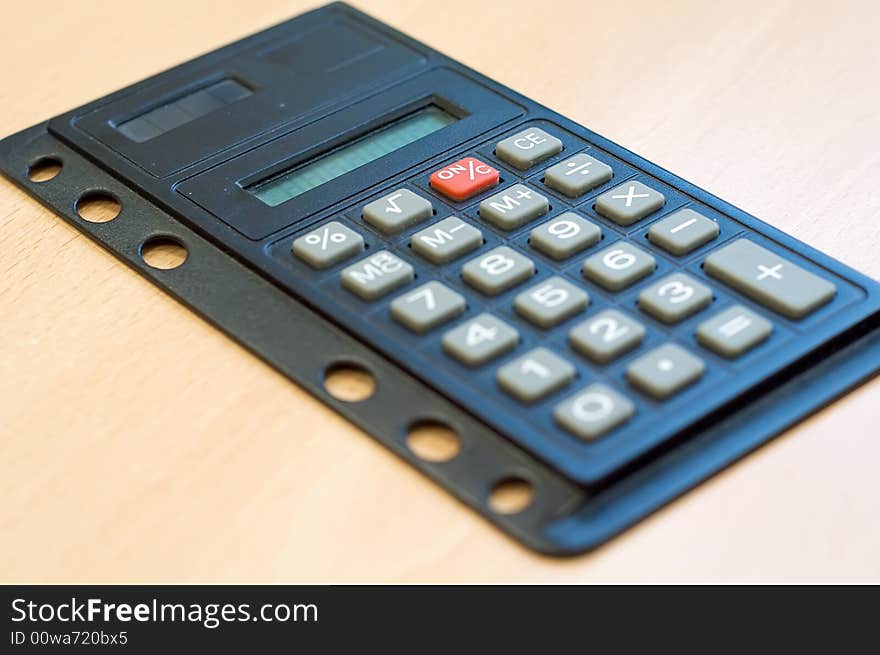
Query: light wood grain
column 139, row 444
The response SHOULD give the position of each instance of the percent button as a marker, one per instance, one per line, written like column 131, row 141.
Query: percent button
column 330, row 244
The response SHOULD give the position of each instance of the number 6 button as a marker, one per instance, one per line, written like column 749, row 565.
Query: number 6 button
column 618, row 266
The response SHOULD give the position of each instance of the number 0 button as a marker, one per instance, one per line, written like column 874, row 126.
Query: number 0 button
column 593, row 412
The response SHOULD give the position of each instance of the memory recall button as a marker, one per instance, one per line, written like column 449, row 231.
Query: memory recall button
column 768, row 278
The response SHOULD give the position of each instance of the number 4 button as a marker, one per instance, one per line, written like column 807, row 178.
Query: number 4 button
column 479, row 340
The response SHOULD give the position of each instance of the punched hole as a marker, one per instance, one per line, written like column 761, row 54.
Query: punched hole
column 44, row 169
column 348, row 382
column 163, row 253
column 511, row 496
column 98, row 207
column 433, row 441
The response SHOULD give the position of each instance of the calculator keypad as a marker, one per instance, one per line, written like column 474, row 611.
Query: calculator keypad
column 643, row 346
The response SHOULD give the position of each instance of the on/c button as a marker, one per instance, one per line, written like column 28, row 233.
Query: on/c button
column 463, row 179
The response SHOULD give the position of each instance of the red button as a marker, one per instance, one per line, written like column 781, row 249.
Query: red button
column 465, row 178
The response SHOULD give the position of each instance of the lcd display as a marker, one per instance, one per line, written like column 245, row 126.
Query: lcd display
column 346, row 158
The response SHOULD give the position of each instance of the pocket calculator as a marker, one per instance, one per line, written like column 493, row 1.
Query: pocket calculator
column 585, row 321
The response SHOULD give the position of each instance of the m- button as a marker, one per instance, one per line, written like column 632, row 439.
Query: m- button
column 464, row 179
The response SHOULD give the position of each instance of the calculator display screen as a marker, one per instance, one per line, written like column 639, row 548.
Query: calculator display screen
column 346, row 158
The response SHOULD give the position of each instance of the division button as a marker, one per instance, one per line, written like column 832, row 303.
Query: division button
column 427, row 306
column 630, row 202
column 618, row 266
column 550, row 302
column 497, row 270
column 479, row 340
column 534, row 375
column 513, row 207
column 446, row 240
column 734, row 331
column 593, row 412
column 377, row 275
column 606, row 336
column 683, row 231
column 768, row 278
column 565, row 235
column 674, row 298
column 665, row 371
column 464, row 179
column 527, row 148
column 330, row 244
column 397, row 211
column 577, row 175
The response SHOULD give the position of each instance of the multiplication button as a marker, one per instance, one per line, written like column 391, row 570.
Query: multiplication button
column 630, row 202
column 427, row 306
column 527, row 148
column 734, row 331
column 330, row 244
column 593, row 412
column 397, row 211
column 577, row 175
column 665, row 371
column 377, row 275
column 769, row 278
column 479, row 340
column 446, row 240
column 535, row 375
column 513, row 207
column 564, row 236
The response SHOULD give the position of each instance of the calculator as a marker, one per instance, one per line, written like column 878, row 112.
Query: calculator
column 587, row 323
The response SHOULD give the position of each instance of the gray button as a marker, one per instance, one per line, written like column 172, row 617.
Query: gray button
column 665, row 370
column 497, row 270
column 377, row 275
column 550, row 302
column 330, row 244
column 564, row 236
column 446, row 240
column 606, row 336
column 515, row 206
column 397, row 211
column 427, row 306
column 674, row 298
column 768, row 278
column 480, row 339
column 629, row 202
column 618, row 266
column 577, row 175
column 734, row 331
column 534, row 375
column 683, row 231
column 593, row 412
column 527, row 148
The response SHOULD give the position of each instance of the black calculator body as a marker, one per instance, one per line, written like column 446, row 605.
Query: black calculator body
column 586, row 322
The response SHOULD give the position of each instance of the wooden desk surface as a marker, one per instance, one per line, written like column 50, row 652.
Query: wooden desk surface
column 139, row 444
